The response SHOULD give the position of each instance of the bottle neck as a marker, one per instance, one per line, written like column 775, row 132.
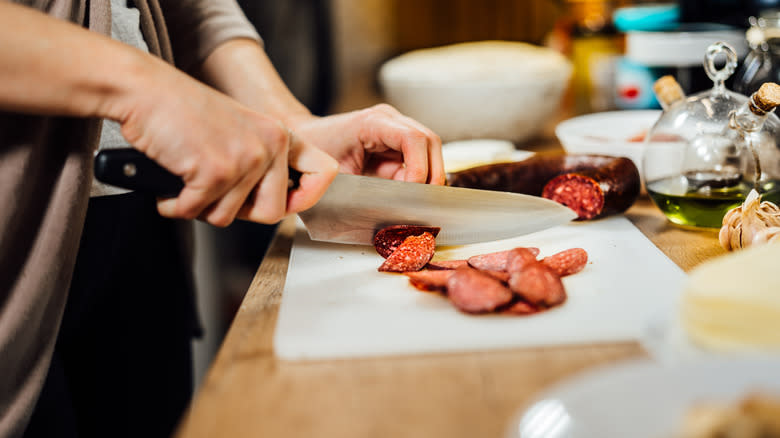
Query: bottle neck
column 668, row 91
column 666, row 103
column 749, row 117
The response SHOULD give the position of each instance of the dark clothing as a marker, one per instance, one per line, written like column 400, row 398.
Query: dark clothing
column 125, row 339
column 45, row 177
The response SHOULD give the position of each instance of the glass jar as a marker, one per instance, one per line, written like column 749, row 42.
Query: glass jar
column 696, row 167
column 762, row 64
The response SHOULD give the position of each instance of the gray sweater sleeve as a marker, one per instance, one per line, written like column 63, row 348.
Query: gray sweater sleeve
column 197, row 27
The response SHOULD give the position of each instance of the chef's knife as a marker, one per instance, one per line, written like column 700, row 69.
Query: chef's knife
column 355, row 207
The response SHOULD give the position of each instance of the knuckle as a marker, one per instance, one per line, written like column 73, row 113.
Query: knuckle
column 222, row 173
column 416, row 137
column 259, row 157
column 384, row 108
column 277, row 138
column 372, row 113
column 189, row 168
column 255, row 158
column 435, row 139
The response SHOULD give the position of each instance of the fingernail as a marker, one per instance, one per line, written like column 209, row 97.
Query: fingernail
column 166, row 207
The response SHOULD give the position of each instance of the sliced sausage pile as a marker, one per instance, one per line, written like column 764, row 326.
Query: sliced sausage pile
column 513, row 282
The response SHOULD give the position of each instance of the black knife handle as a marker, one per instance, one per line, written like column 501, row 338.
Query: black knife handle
column 130, row 169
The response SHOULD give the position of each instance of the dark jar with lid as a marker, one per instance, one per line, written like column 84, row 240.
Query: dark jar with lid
column 762, row 64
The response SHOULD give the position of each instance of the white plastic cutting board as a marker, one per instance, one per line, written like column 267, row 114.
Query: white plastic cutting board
column 336, row 304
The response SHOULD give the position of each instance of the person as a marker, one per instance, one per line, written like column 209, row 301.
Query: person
column 94, row 337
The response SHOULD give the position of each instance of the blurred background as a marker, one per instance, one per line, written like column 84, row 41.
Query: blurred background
column 330, row 52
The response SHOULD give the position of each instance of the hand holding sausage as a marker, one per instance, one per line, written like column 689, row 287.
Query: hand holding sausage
column 377, row 141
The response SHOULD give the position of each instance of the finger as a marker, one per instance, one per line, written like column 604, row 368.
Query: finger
column 318, row 171
column 202, row 187
column 266, row 202
column 400, row 135
column 436, row 173
column 224, row 211
column 190, row 203
column 255, row 163
column 387, row 164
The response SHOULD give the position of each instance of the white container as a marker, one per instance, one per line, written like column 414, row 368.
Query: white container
column 464, row 154
column 489, row 89
column 680, row 48
column 616, row 133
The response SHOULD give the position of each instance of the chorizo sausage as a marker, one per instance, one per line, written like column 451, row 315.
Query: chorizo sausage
column 446, row 264
column 591, row 185
column 538, row 284
column 411, row 255
column 389, row 238
column 519, row 307
column 519, row 258
column 567, row 262
column 430, row 281
column 473, row 291
column 501, row 276
column 496, row 261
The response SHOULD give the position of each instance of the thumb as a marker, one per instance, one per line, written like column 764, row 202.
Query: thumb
column 318, row 169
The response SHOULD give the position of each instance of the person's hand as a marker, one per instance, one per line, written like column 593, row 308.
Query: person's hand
column 377, row 141
column 234, row 162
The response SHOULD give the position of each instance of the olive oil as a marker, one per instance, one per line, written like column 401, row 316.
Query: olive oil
column 704, row 206
column 720, row 170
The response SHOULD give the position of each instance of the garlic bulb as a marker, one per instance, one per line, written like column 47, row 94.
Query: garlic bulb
column 751, row 223
column 767, row 235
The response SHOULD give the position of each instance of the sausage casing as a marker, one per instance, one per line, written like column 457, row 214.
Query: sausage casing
column 614, row 181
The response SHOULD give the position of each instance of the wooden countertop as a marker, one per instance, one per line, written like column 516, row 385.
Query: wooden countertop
column 249, row 393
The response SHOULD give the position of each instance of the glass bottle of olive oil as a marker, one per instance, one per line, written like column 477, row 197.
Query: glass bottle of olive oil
column 684, row 205
column 701, row 196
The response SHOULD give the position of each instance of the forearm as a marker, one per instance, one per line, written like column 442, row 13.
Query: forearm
column 241, row 69
column 49, row 66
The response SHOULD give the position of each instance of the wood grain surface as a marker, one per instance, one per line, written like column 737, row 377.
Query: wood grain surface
column 249, row 393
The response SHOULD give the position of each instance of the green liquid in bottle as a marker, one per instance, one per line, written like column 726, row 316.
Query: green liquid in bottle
column 705, row 206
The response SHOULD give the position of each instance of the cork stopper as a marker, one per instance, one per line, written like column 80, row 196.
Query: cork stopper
column 766, row 98
column 668, row 90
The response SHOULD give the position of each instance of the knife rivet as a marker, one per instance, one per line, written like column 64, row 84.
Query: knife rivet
column 129, row 169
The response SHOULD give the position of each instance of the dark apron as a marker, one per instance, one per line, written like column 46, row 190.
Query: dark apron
column 122, row 365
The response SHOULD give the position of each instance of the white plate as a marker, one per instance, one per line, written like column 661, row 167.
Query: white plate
column 642, row 399
column 608, row 133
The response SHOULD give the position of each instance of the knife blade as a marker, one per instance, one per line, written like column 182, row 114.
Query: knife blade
column 355, row 207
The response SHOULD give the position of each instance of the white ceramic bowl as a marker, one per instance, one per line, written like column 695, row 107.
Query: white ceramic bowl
column 488, row 89
column 617, row 133
column 463, row 154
